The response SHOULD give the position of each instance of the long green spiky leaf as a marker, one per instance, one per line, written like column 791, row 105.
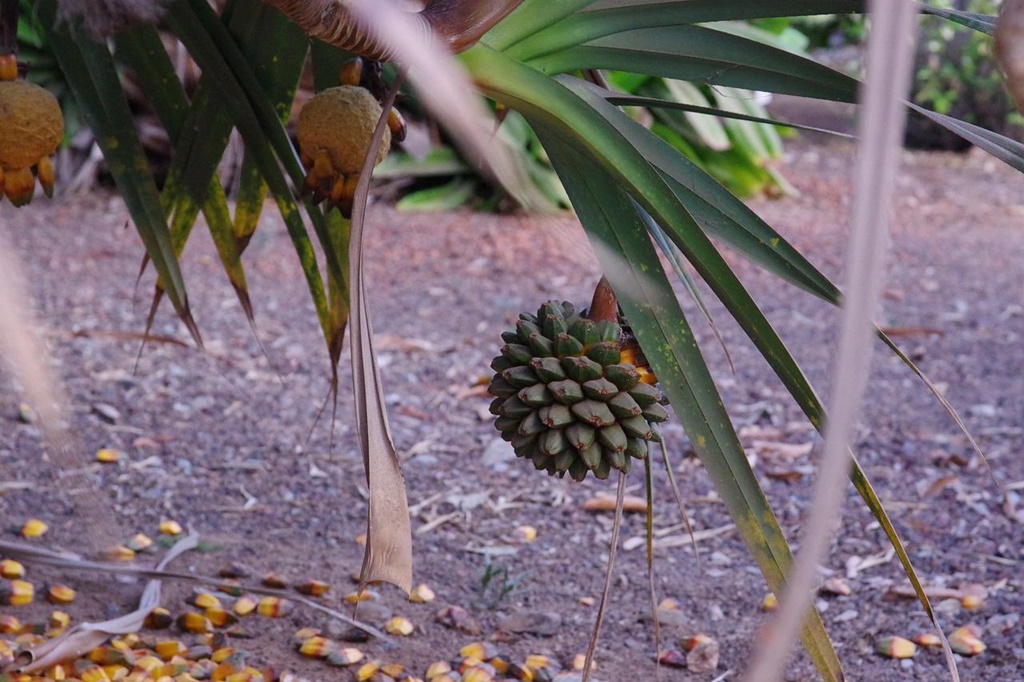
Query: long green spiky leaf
column 705, row 55
column 143, row 50
column 630, row 262
column 1010, row 152
column 260, row 126
column 89, row 67
column 676, row 261
column 205, row 37
column 623, row 100
column 277, row 57
column 716, row 209
column 979, row 22
column 601, row 19
column 703, row 256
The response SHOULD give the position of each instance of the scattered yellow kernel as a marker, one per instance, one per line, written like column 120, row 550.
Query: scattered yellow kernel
column 11, row 569
column 60, row 594
column 274, row 607
column 169, row 527
column 19, row 593
column 345, row 656
column 313, row 588
column 421, row 594
column 966, row 641
column 244, row 605
column 399, row 626
column 927, row 639
column 139, row 542
column 361, row 595
column 9, row 625
column 169, row 648
column 770, row 603
column 118, row 553
column 109, row 456
column 437, row 669
column 316, row 647
column 367, row 671
column 34, row 528
column 896, row 647
column 205, row 600
column 536, row 661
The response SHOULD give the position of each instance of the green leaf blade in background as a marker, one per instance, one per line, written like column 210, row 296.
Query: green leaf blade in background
column 212, row 46
column 697, row 53
column 193, row 165
column 90, row 68
column 600, row 19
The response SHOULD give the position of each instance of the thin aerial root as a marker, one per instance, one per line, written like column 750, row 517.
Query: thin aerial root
column 620, row 495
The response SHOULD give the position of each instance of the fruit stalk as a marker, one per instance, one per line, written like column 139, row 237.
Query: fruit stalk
column 458, row 23
column 604, row 305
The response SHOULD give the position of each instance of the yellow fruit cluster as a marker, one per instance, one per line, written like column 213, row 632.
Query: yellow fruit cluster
column 31, row 128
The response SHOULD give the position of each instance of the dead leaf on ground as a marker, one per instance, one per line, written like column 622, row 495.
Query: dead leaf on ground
column 390, row 342
column 774, row 450
column 603, row 502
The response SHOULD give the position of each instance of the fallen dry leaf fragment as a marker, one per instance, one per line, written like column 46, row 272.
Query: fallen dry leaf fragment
column 606, row 503
column 703, row 655
column 458, row 618
column 774, row 450
column 896, row 647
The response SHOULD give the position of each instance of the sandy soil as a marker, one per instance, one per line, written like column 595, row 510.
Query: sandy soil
column 229, row 441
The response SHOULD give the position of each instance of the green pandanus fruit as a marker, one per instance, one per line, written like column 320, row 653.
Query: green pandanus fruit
column 565, row 397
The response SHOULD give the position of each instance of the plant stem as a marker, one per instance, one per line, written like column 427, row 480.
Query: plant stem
column 8, row 27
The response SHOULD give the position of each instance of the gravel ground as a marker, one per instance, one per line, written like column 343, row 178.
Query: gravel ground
column 229, row 441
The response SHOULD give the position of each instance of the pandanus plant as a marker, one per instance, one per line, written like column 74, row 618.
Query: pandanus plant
column 635, row 195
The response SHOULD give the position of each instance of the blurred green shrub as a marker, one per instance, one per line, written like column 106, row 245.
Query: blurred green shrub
column 955, row 72
column 958, row 76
